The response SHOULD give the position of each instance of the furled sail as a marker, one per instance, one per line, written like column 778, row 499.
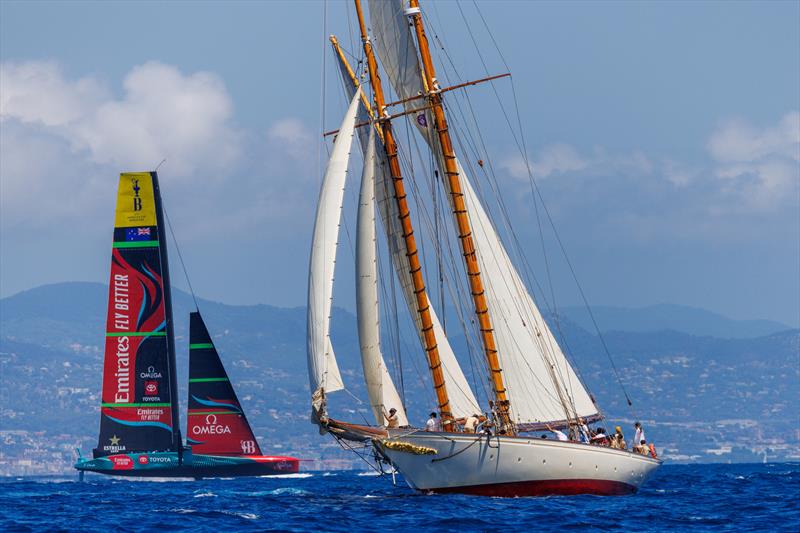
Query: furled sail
column 323, row 371
column 215, row 423
column 139, row 404
column 380, row 387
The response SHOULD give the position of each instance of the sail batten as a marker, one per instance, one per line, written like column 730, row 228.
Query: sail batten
column 323, row 370
column 382, row 393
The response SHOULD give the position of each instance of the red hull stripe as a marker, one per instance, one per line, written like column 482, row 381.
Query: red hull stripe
column 548, row 487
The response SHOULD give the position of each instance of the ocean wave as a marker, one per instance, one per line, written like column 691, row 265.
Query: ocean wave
column 208, row 494
column 302, row 475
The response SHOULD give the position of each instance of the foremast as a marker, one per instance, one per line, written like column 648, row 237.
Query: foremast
column 423, row 304
column 462, row 221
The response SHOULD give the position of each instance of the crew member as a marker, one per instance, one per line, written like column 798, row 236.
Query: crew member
column 433, row 423
column 471, row 423
column 392, row 421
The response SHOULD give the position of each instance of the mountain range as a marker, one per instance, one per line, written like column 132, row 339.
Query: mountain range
column 705, row 391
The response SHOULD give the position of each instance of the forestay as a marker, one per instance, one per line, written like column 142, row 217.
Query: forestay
column 380, row 387
column 323, row 371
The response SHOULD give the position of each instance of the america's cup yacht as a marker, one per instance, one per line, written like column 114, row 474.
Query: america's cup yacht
column 528, row 383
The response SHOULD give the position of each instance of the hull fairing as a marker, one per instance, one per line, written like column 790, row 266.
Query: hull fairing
column 168, row 465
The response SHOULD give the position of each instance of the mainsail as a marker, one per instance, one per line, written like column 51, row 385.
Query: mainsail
column 541, row 384
column 380, row 387
column 139, row 410
column 323, row 371
column 216, row 423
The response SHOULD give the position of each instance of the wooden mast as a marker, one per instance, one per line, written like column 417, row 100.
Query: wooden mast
column 423, row 305
column 462, row 221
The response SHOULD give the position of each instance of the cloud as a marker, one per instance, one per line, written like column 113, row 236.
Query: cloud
column 757, row 168
column 163, row 113
column 561, row 159
column 292, row 136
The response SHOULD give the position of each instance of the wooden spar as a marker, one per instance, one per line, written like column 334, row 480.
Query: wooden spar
column 463, row 223
column 354, row 79
column 403, row 101
column 423, row 305
column 386, row 117
column 451, row 88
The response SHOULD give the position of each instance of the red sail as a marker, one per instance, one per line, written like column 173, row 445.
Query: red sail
column 137, row 412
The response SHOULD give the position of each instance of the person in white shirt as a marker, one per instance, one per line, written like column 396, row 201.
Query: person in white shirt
column 560, row 435
column 433, row 423
column 471, row 423
column 639, row 436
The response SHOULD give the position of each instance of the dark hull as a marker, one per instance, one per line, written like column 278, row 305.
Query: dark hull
column 167, row 465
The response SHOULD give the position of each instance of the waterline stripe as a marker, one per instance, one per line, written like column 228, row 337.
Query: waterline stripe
column 135, row 405
column 206, row 380
column 136, row 334
column 136, row 244
column 200, row 345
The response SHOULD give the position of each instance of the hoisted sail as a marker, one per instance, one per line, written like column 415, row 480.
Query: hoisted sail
column 216, row 424
column 541, row 384
column 323, row 371
column 380, row 387
column 137, row 411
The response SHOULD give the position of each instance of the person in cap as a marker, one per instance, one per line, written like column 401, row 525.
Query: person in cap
column 471, row 423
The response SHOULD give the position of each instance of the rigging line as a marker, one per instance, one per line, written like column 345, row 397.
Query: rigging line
column 514, row 236
column 535, row 187
column 180, row 257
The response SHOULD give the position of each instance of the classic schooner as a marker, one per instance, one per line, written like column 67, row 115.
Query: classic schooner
column 529, row 381
column 139, row 423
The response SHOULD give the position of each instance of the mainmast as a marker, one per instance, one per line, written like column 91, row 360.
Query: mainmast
column 462, row 221
column 423, row 305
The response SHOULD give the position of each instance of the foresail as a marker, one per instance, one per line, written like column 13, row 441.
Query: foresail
column 541, row 384
column 323, row 371
column 380, row 387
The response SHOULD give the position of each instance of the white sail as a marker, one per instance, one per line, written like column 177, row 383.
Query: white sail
column 539, row 379
column 537, row 375
column 323, row 371
column 395, row 45
column 462, row 399
column 380, row 387
column 390, row 16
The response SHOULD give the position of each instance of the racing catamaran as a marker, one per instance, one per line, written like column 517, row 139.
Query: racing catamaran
column 139, row 423
column 531, row 384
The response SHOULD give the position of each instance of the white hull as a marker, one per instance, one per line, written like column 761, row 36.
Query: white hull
column 516, row 466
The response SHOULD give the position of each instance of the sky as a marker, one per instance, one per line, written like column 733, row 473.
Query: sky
column 664, row 137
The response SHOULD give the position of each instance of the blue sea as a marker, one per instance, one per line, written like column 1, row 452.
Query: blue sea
column 746, row 497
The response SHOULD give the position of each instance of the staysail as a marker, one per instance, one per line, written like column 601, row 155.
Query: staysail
column 380, row 387
column 139, row 410
column 216, row 423
column 323, row 371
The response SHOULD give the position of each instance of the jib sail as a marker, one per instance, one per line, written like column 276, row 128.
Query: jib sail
column 216, row 424
column 139, row 404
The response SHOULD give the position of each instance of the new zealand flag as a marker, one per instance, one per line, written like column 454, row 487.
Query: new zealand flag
column 137, row 234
